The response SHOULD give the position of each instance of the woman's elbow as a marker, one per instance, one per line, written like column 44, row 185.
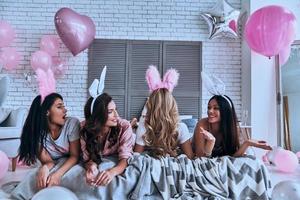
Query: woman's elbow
column 138, row 148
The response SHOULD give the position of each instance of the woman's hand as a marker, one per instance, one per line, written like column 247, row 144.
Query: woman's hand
column 209, row 142
column 91, row 173
column 254, row 143
column 53, row 179
column 259, row 144
column 207, row 135
column 104, row 178
column 42, row 177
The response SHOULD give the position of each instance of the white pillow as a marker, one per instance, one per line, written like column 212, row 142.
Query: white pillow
column 4, row 112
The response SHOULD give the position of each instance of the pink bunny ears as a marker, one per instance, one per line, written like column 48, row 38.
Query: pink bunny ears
column 154, row 81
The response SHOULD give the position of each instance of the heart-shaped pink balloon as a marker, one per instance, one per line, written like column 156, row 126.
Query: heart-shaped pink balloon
column 76, row 31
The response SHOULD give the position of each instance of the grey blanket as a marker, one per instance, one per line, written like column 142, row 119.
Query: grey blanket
column 170, row 178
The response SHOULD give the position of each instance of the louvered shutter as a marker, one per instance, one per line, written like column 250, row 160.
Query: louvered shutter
column 111, row 53
column 141, row 55
column 186, row 58
column 127, row 62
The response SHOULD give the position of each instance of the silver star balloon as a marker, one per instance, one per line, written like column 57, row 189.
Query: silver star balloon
column 222, row 20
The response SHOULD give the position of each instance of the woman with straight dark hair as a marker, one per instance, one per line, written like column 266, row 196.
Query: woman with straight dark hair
column 218, row 134
column 52, row 138
column 104, row 134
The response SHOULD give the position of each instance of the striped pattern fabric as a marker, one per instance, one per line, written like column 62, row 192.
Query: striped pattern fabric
column 218, row 178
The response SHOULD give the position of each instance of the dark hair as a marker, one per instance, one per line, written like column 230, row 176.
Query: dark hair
column 228, row 125
column 36, row 128
column 94, row 124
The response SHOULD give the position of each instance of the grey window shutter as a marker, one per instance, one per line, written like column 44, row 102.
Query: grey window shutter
column 111, row 53
column 186, row 58
column 141, row 55
column 127, row 62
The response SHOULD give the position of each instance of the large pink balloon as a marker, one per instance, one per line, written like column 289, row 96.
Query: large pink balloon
column 76, row 31
column 286, row 161
column 41, row 59
column 10, row 58
column 4, row 162
column 50, row 44
column 7, row 34
column 284, row 55
column 270, row 29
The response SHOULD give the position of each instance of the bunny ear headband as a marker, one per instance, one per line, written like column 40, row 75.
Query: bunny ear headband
column 46, row 82
column 214, row 85
column 97, row 87
column 154, row 81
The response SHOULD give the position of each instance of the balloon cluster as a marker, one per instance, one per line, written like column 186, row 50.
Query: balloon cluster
column 48, row 57
column 9, row 57
column 271, row 31
column 284, row 160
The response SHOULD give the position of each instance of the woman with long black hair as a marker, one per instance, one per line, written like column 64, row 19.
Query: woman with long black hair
column 52, row 138
column 218, row 133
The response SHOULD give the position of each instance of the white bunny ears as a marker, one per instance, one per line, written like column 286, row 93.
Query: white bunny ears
column 214, row 85
column 154, row 81
column 97, row 87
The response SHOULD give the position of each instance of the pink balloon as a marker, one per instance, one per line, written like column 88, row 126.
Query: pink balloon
column 50, row 44
column 41, row 59
column 286, row 161
column 7, row 34
column 10, row 58
column 76, row 31
column 284, row 55
column 270, row 29
column 4, row 163
column 59, row 67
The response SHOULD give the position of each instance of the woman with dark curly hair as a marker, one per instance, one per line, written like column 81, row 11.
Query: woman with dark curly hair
column 104, row 133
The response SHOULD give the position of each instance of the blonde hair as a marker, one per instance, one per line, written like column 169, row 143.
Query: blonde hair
column 161, row 123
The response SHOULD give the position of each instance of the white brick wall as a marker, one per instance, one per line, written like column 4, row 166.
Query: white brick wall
column 118, row 19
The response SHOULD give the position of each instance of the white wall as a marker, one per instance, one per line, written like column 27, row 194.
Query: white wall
column 118, row 19
column 263, row 81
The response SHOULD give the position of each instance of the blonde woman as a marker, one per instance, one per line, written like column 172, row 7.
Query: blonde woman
column 161, row 133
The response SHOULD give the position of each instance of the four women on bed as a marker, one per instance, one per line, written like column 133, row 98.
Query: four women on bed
column 48, row 135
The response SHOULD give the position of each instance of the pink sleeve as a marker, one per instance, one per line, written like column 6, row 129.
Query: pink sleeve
column 126, row 142
column 85, row 154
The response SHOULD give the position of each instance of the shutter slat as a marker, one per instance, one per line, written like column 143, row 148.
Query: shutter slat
column 113, row 55
column 142, row 55
column 186, row 58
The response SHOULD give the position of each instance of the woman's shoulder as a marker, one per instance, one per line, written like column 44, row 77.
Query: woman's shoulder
column 72, row 121
column 203, row 122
